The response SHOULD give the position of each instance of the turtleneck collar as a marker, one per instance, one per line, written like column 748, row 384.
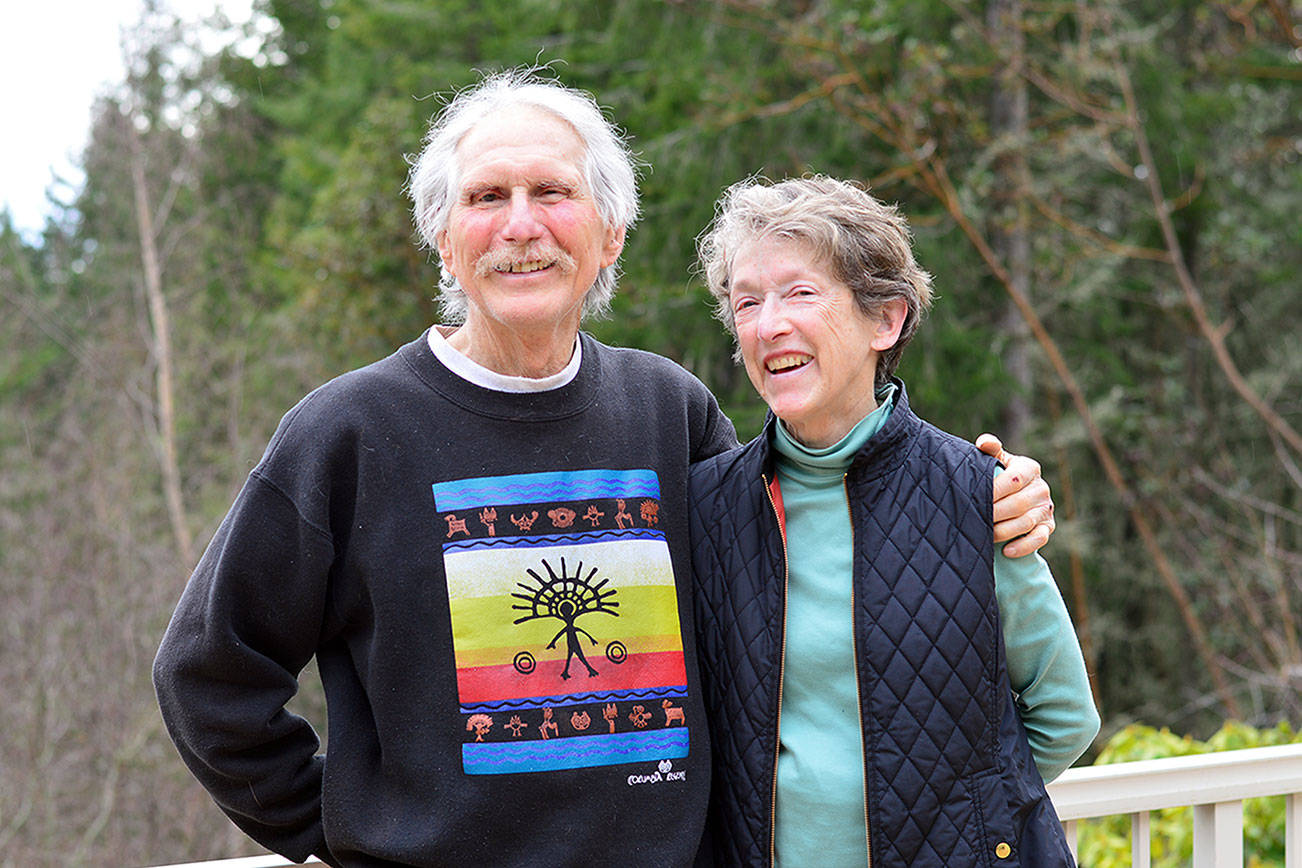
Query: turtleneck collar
column 796, row 459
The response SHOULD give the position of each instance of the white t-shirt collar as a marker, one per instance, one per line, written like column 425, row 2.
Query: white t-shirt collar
column 463, row 367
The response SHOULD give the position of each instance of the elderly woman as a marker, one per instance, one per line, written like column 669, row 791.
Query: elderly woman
column 882, row 682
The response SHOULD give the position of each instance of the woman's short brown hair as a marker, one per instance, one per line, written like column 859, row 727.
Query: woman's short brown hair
column 865, row 242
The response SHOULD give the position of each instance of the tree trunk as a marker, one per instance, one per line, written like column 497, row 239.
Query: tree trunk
column 1008, row 226
column 162, row 352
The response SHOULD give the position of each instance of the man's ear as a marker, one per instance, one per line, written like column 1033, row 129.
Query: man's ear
column 614, row 245
column 445, row 252
column 890, row 322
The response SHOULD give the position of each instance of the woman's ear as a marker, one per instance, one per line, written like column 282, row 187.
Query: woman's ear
column 890, row 322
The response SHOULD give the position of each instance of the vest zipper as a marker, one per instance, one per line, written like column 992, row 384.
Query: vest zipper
column 854, row 638
column 782, row 665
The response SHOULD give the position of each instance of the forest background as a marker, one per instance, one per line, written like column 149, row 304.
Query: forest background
column 1107, row 193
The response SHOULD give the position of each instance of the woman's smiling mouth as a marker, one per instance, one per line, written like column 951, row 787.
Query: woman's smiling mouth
column 787, row 362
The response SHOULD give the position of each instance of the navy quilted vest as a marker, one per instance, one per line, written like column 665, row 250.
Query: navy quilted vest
column 949, row 776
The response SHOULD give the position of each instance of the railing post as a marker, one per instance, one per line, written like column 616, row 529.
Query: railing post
column 1293, row 831
column 1141, row 840
column 1218, row 835
column 1071, row 829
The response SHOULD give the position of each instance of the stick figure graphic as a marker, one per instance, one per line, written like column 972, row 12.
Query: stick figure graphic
column 566, row 598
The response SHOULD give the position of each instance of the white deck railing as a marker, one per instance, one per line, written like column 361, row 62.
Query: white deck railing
column 1214, row 784
column 246, row 862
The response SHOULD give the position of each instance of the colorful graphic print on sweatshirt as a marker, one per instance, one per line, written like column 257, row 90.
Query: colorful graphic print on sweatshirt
column 564, row 621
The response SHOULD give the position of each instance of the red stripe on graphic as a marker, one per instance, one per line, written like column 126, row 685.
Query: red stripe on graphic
column 637, row 672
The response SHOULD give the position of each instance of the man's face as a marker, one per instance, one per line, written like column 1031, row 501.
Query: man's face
column 524, row 238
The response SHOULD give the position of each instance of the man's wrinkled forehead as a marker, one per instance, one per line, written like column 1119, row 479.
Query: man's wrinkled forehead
column 523, row 133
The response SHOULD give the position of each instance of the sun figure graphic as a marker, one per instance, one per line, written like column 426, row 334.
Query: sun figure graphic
column 566, row 598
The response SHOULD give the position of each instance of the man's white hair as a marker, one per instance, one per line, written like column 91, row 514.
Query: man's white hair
column 608, row 168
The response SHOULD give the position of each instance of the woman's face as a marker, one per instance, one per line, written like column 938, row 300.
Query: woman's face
column 809, row 350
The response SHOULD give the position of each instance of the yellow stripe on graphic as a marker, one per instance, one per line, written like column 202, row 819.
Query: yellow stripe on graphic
column 485, row 625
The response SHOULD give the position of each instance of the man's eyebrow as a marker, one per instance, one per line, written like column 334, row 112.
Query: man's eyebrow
column 474, row 188
column 471, row 192
column 477, row 187
column 562, row 183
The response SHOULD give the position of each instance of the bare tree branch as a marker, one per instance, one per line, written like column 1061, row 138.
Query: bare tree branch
column 1243, row 497
column 1095, row 237
column 1284, row 19
column 1215, row 334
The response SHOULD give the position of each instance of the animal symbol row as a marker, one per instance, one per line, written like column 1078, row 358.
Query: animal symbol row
column 579, row 722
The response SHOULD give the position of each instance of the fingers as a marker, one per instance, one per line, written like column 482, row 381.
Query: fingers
column 1032, row 542
column 1022, row 503
column 990, row 445
column 1040, row 515
column 1019, row 488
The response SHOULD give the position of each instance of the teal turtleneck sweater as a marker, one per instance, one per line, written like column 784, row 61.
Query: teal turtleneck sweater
column 821, row 813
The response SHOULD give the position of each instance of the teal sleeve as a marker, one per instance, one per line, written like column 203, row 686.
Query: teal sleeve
column 1045, row 666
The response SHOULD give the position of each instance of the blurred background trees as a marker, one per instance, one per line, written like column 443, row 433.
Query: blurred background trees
column 1107, row 192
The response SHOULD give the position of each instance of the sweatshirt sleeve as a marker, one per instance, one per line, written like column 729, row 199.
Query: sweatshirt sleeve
column 1045, row 666
column 247, row 623
column 718, row 433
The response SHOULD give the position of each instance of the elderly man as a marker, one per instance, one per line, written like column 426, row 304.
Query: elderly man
column 483, row 541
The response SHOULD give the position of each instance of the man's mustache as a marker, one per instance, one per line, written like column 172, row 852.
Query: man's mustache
column 504, row 258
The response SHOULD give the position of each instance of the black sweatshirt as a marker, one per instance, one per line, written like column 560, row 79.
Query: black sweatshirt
column 496, row 588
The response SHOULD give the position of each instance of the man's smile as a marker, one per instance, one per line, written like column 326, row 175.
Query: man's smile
column 523, row 267
column 509, row 259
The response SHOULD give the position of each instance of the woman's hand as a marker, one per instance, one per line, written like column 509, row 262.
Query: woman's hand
column 1023, row 505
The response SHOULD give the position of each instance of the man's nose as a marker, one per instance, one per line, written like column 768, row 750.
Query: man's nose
column 522, row 222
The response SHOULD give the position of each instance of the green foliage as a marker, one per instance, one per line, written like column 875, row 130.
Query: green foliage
column 1105, row 843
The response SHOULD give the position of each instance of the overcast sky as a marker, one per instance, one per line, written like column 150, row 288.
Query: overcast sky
column 55, row 56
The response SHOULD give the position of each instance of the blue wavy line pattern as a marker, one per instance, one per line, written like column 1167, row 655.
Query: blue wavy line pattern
column 544, row 487
column 505, row 757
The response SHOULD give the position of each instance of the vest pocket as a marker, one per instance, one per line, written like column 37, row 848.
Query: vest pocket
column 996, row 844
